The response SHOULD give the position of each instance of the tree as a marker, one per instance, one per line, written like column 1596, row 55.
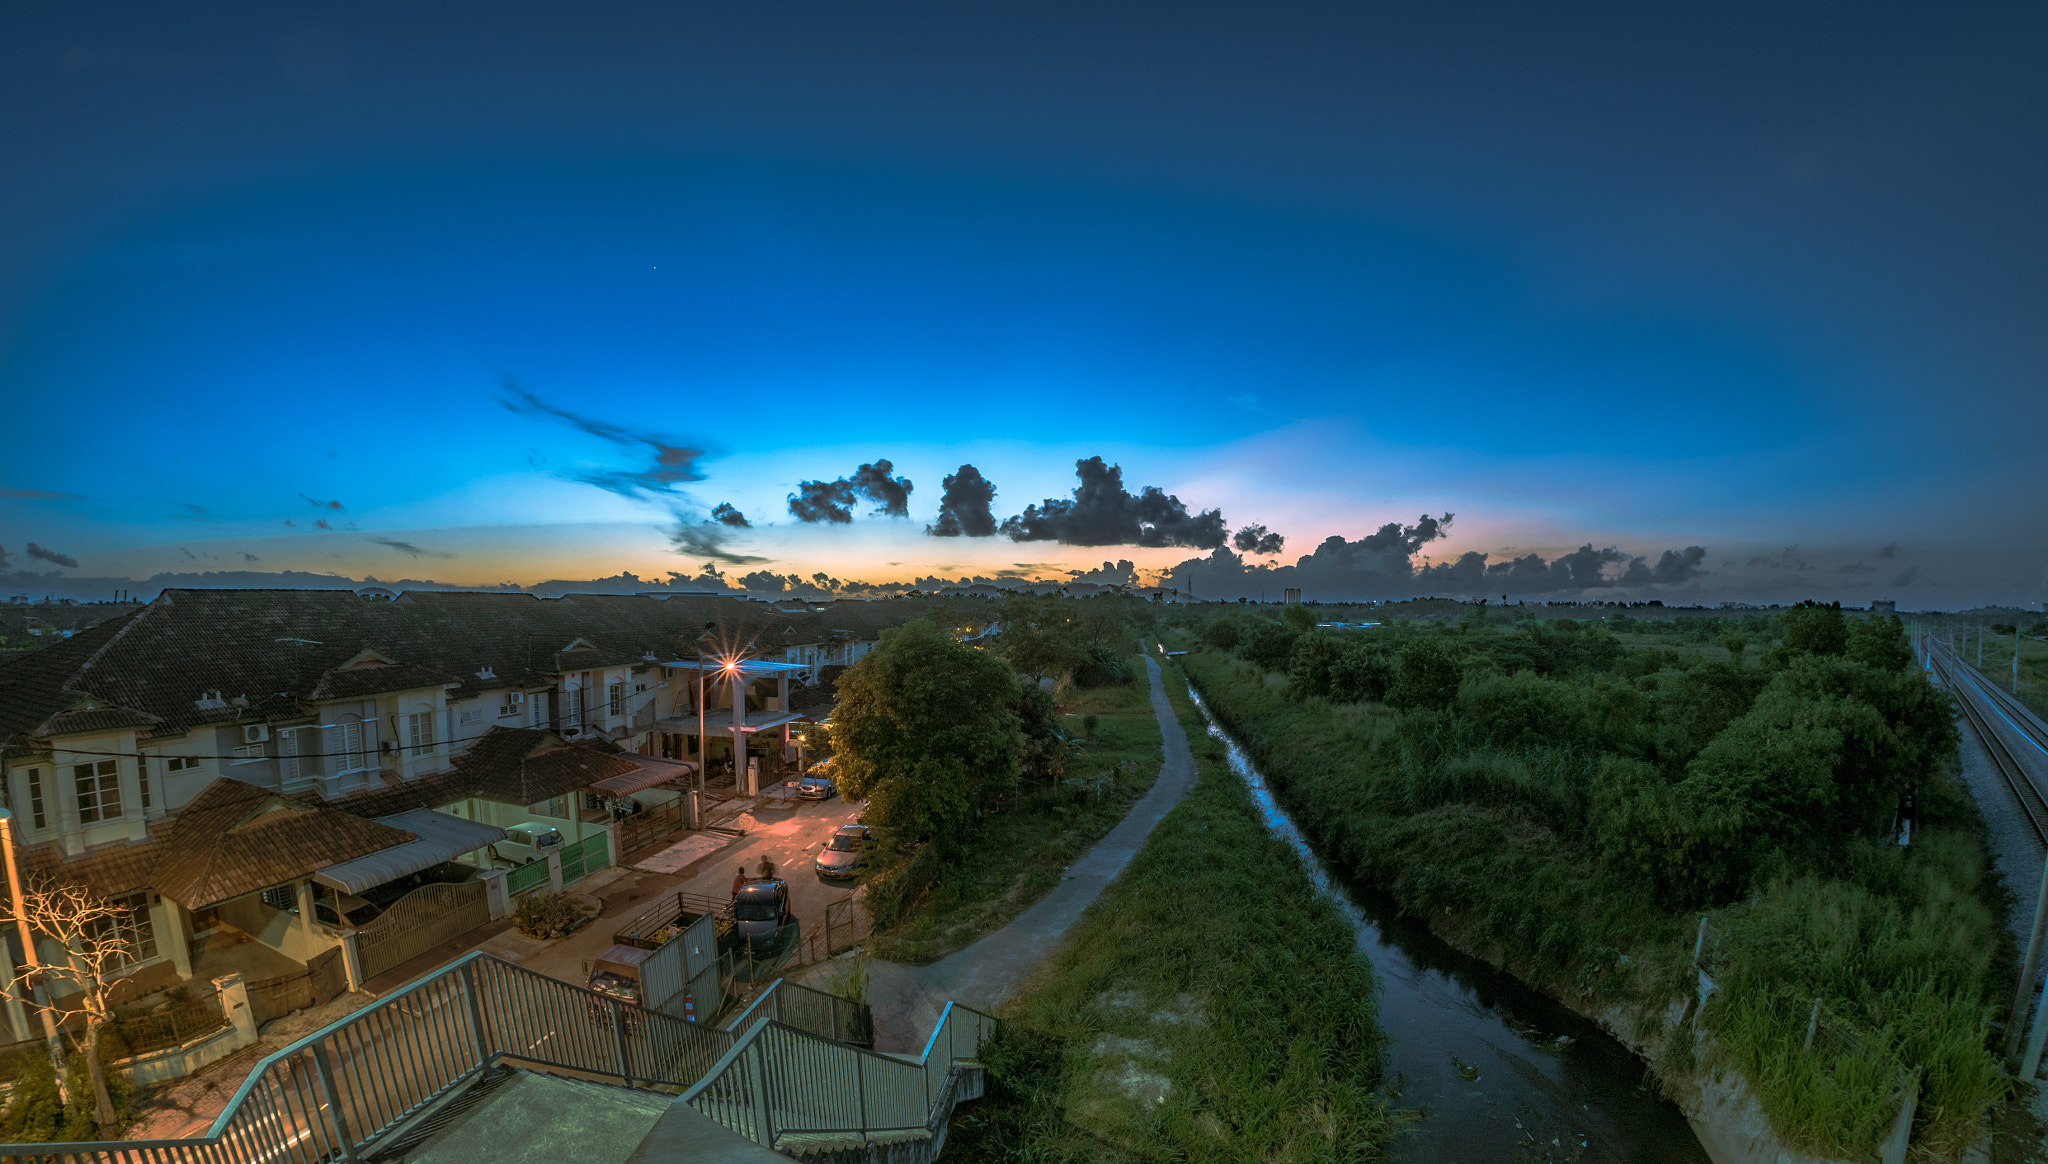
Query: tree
column 94, row 931
column 1426, row 675
column 1815, row 628
column 1880, row 643
column 1041, row 637
column 925, row 724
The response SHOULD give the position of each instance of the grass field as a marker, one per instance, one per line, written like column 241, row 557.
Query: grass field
column 1024, row 845
column 1209, row 1007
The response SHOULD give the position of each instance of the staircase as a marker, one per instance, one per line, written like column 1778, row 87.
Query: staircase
column 486, row 1060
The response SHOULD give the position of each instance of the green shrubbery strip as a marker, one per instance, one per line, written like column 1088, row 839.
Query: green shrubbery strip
column 1579, row 800
column 1208, row 1007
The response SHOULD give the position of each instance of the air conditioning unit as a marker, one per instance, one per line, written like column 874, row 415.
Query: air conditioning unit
column 255, row 733
column 516, row 698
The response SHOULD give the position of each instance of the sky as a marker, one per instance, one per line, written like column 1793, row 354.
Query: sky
column 1728, row 303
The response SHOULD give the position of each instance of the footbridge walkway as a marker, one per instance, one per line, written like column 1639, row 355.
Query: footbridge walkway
column 424, row 1075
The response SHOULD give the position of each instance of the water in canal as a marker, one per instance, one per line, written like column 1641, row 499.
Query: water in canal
column 1501, row 1072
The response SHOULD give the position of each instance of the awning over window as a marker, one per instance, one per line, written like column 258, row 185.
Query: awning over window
column 650, row 774
column 441, row 838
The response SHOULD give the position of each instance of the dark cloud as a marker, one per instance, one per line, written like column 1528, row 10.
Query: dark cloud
column 701, row 539
column 1890, row 551
column 1390, row 563
column 1103, row 513
column 318, row 504
column 1787, row 559
column 4, row 557
column 189, row 555
column 52, row 557
column 192, row 512
column 322, row 524
column 1257, row 539
column 832, row 501
column 828, row 501
column 964, row 510
column 40, row 495
column 768, row 582
column 410, row 548
column 674, row 464
column 248, row 557
column 891, row 495
column 1678, row 565
column 1119, row 573
column 1856, row 568
column 1906, row 579
column 725, row 514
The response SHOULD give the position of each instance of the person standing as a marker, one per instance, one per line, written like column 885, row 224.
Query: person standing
column 739, row 881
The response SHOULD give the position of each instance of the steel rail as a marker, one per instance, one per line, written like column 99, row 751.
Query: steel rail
column 2033, row 805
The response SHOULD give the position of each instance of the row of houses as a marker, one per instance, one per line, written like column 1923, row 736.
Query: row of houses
column 252, row 772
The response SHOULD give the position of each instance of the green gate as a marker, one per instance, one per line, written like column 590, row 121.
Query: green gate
column 585, row 856
column 525, row 878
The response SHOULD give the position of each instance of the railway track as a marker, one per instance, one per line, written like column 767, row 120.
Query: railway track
column 1984, row 706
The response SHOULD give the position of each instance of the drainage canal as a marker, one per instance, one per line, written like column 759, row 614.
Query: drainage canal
column 1499, row 1071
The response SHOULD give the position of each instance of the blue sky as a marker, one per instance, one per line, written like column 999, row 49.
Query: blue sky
column 1738, row 279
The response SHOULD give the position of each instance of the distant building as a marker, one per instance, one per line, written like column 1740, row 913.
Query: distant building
column 1291, row 596
column 1884, row 606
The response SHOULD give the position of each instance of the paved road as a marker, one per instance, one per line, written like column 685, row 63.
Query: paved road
column 907, row 999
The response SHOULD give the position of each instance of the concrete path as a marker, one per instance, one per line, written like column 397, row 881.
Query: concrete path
column 907, row 999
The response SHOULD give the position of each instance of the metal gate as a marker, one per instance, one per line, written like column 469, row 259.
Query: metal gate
column 585, row 856
column 419, row 921
column 649, row 825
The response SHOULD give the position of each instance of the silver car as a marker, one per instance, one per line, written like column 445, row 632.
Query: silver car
column 844, row 854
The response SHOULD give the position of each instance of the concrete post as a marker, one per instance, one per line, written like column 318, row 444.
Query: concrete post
column 305, row 896
column 171, row 923
column 693, row 810
column 554, row 870
column 352, row 960
column 234, row 1003
column 495, row 894
column 611, row 844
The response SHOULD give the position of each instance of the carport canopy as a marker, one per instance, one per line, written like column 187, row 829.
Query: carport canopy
column 649, row 774
column 441, row 838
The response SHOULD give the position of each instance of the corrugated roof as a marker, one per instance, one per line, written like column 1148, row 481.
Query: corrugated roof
column 437, row 837
column 649, row 774
column 236, row 838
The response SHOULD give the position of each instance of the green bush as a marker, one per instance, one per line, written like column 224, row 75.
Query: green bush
column 35, row 1115
column 1104, row 666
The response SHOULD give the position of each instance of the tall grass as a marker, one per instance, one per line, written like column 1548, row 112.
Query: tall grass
column 1208, row 1007
column 1488, row 826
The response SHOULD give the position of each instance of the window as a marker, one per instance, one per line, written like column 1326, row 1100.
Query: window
column 354, row 756
column 419, row 733
column 288, row 752
column 99, row 790
column 142, row 784
column 557, row 808
column 284, row 897
column 133, row 928
column 472, row 715
column 36, row 812
column 250, row 753
column 180, row 764
column 618, row 698
column 575, row 715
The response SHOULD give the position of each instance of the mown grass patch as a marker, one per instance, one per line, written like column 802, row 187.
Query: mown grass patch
column 1209, row 1006
column 1026, row 842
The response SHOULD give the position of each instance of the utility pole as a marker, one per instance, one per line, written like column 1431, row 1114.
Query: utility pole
column 2018, row 1016
column 28, row 955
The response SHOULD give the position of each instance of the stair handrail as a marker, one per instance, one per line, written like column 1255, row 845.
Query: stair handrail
column 332, row 1093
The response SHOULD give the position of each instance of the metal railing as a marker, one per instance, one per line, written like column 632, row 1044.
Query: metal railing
column 778, row 1081
column 338, row 1091
column 827, row 1015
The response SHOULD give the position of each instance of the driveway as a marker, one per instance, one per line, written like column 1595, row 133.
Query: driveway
column 907, row 999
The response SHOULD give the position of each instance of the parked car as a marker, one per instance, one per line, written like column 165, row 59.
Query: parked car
column 816, row 787
column 845, row 853
column 527, row 841
column 761, row 910
column 354, row 911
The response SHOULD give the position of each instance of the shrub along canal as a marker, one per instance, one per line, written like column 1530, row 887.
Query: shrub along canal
column 1498, row 1070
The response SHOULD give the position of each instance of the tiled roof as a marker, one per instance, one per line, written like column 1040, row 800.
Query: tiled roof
column 529, row 765
column 426, row 792
column 236, row 838
column 361, row 682
column 112, row 870
column 253, row 645
column 94, row 719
